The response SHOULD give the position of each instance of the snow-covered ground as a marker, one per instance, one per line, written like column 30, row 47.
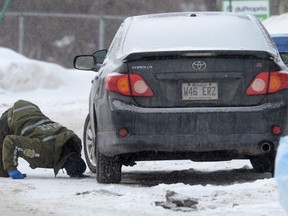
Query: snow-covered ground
column 149, row 188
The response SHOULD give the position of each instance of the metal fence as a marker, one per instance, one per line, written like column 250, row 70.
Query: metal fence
column 34, row 34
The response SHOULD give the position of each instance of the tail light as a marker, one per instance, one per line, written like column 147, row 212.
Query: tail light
column 276, row 130
column 264, row 83
column 128, row 84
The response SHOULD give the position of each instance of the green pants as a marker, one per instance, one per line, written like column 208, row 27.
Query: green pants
column 36, row 152
column 3, row 173
column 4, row 130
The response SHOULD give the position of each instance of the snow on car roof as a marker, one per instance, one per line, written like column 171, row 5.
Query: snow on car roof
column 195, row 31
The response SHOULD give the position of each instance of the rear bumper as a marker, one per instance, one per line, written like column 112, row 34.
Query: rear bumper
column 235, row 129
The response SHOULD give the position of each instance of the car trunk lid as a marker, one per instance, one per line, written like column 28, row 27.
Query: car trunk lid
column 199, row 79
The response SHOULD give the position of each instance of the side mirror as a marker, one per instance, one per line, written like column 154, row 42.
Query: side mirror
column 84, row 62
column 90, row 62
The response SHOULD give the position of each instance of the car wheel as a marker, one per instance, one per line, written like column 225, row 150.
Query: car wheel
column 108, row 169
column 263, row 163
column 89, row 147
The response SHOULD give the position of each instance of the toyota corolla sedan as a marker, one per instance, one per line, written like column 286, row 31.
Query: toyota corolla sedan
column 196, row 86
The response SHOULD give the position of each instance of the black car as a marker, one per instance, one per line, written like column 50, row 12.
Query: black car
column 199, row 86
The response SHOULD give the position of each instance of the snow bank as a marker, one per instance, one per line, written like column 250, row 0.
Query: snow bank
column 18, row 73
column 277, row 24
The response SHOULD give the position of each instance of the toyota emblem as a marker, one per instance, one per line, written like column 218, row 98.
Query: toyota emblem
column 199, row 65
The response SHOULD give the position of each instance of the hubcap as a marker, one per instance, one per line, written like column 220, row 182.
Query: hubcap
column 90, row 149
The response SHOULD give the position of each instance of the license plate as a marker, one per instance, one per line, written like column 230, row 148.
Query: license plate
column 200, row 91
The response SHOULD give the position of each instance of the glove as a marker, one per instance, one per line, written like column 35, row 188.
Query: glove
column 16, row 174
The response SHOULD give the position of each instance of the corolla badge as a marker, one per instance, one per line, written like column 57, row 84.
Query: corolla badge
column 137, row 67
column 199, row 65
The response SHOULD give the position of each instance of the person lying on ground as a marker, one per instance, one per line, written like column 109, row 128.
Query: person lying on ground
column 27, row 133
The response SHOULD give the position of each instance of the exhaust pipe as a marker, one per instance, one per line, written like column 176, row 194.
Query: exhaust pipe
column 265, row 147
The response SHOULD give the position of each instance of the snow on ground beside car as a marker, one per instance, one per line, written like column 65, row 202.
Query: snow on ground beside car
column 150, row 188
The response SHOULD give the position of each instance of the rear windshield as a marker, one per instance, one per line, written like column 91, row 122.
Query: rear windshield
column 200, row 32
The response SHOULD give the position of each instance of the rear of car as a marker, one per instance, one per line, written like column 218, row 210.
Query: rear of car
column 201, row 86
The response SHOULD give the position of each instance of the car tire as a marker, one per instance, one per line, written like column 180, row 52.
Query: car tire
column 263, row 163
column 88, row 145
column 108, row 169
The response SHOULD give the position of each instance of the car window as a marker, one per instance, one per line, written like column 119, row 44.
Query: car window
column 195, row 33
column 116, row 43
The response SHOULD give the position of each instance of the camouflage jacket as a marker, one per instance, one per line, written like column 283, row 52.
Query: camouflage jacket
column 25, row 119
